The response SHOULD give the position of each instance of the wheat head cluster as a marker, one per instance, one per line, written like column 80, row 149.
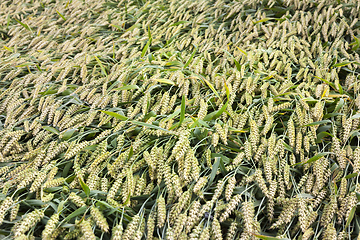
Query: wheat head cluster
column 179, row 119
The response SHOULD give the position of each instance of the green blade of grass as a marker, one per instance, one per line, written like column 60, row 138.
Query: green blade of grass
column 269, row 238
column 149, row 126
column 146, row 47
column 51, row 129
column 355, row 116
column 166, row 81
column 351, row 216
column 265, row 20
column 127, row 87
column 182, row 113
column 101, row 66
column 116, row 115
column 214, row 170
column 76, row 213
column 84, row 187
column 317, row 156
column 207, row 83
column 62, row 16
column 316, row 123
column 24, row 25
column 356, row 43
column 190, row 59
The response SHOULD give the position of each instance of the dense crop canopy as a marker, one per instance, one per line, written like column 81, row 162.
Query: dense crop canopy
column 179, row 119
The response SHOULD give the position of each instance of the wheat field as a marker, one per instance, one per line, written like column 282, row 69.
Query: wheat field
column 179, row 119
